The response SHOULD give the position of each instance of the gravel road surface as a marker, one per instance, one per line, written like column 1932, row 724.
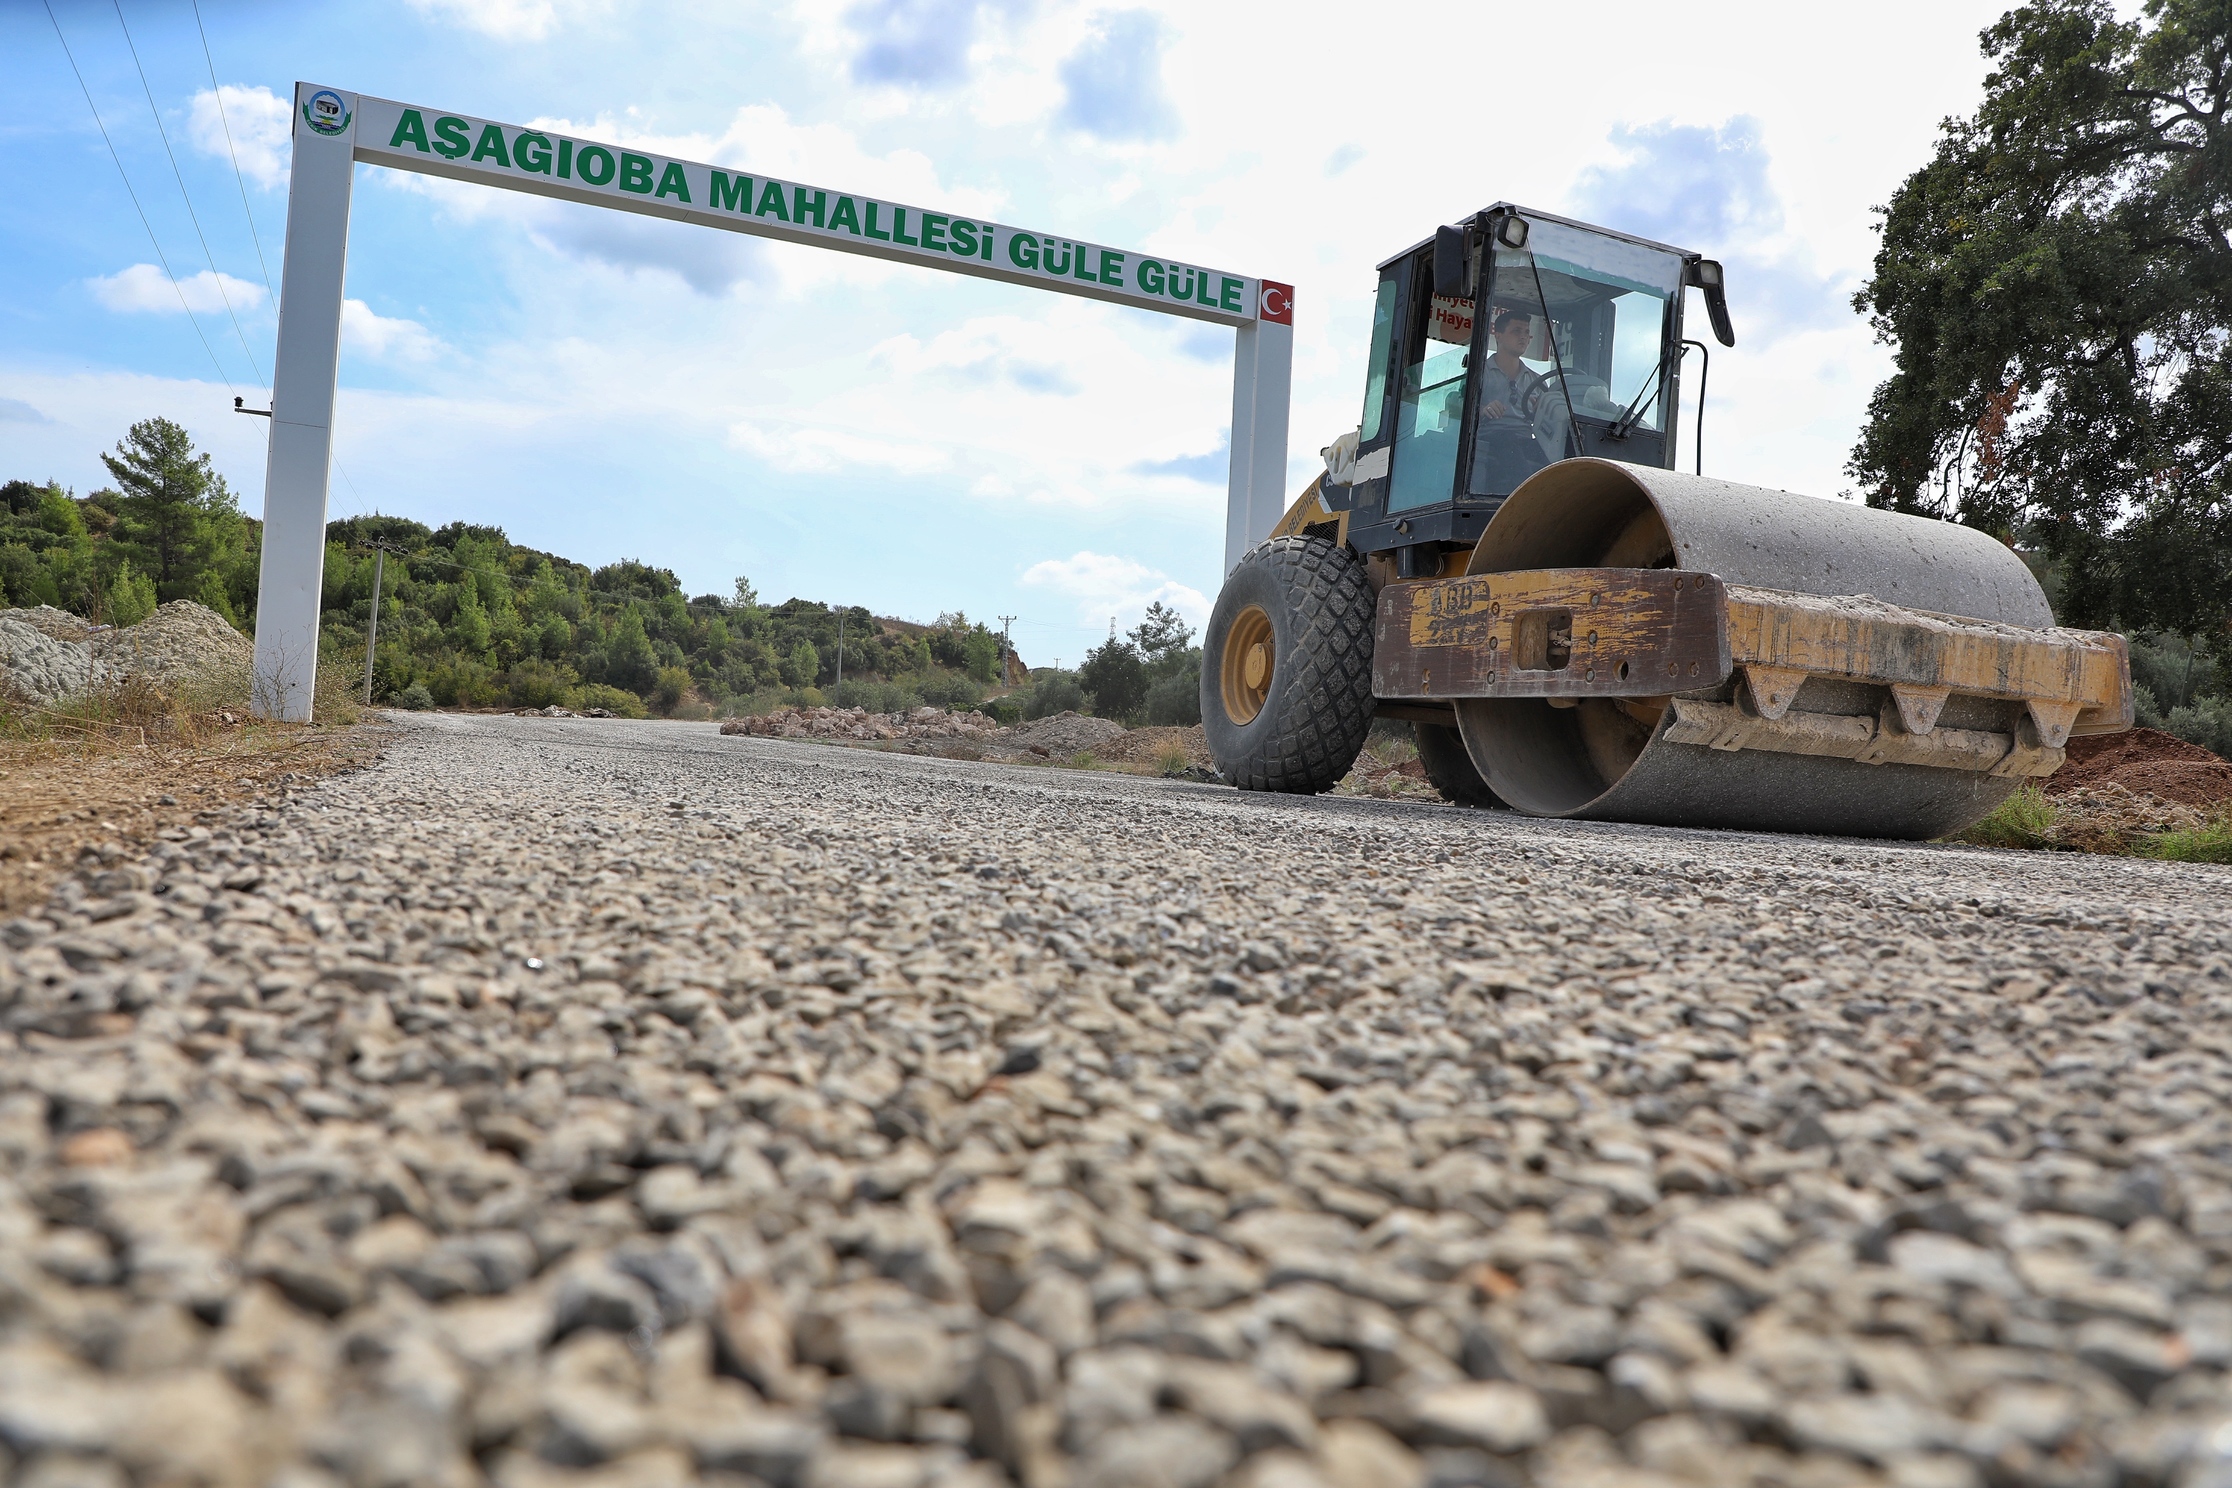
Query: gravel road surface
column 591, row 1102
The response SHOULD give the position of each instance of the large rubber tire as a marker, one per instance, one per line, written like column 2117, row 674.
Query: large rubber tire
column 1441, row 749
column 1306, row 602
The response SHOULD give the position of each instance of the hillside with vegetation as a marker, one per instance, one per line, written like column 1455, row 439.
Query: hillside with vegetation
column 470, row 619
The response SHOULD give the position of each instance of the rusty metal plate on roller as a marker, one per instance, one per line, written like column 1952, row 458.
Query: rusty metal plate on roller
column 1552, row 632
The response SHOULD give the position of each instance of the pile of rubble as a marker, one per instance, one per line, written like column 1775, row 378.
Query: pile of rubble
column 181, row 641
column 47, row 655
column 859, row 723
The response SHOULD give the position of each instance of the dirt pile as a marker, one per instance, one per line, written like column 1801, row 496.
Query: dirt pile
column 60, row 624
column 47, row 655
column 180, row 641
column 2147, row 762
column 2112, row 817
column 37, row 668
column 858, row 723
column 1062, row 736
column 1147, row 746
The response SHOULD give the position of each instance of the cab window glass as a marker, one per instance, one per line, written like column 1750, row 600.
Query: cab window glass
column 1383, row 349
column 1430, row 409
column 1591, row 345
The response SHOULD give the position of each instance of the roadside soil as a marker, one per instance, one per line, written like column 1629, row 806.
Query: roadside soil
column 111, row 798
column 2146, row 762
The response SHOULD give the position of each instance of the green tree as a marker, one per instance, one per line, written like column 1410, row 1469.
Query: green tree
column 1162, row 637
column 468, row 625
column 131, row 596
column 2057, row 284
column 1117, row 679
column 177, row 515
column 629, row 660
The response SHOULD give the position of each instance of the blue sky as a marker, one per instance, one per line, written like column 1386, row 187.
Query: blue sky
column 606, row 386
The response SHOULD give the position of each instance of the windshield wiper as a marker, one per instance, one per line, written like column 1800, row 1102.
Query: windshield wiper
column 1645, row 396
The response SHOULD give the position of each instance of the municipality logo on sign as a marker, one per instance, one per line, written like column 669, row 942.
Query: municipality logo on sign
column 325, row 112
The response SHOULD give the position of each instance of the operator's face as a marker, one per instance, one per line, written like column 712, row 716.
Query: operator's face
column 1513, row 338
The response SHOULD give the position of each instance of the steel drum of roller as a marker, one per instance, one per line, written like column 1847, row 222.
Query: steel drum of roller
column 1612, row 758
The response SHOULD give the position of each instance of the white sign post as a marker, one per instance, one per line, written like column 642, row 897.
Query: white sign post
column 334, row 130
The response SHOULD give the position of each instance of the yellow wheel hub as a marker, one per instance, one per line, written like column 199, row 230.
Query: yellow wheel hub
column 1244, row 672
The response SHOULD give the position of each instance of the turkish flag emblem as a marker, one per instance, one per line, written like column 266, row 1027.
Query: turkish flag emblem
column 1276, row 304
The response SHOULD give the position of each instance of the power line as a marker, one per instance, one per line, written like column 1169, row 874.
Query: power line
column 217, row 92
column 164, row 134
column 134, row 195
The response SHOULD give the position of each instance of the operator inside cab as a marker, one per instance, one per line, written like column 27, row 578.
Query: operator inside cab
column 1520, row 413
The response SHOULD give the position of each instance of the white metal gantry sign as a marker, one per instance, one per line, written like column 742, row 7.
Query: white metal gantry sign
column 333, row 130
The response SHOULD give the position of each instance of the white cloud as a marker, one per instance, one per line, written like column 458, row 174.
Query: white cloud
column 1105, row 585
column 812, row 450
column 260, row 124
column 385, row 338
column 507, row 20
column 144, row 288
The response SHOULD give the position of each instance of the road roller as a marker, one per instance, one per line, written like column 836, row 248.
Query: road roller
column 1505, row 554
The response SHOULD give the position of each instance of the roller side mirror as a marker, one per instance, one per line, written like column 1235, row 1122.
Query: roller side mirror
column 1706, row 274
column 1449, row 263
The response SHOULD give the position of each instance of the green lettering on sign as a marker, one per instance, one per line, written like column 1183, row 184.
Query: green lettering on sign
column 532, row 153
column 964, row 237
column 635, row 173
column 673, row 183
column 732, row 195
column 1023, row 251
column 411, row 130
column 801, row 208
column 1150, row 276
column 933, row 230
column 846, row 216
column 870, row 229
column 596, row 165
column 899, row 228
column 565, row 160
column 1047, row 259
column 450, row 138
column 1228, row 296
column 771, row 200
column 1111, row 267
column 491, row 147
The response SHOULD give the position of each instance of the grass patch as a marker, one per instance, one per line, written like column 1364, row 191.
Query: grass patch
column 1172, row 760
column 2209, row 843
column 2025, row 819
column 1084, row 759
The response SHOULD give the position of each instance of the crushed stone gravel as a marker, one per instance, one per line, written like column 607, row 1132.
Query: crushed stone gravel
column 570, row 1101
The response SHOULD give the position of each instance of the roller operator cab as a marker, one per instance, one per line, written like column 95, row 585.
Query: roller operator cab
column 1503, row 554
column 1498, row 347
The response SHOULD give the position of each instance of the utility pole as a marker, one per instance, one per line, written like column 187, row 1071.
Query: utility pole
column 1005, row 622
column 372, row 635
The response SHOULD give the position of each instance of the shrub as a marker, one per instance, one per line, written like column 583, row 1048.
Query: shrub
column 950, row 690
column 533, row 683
column 876, row 696
column 1054, row 693
column 415, row 697
column 668, row 685
column 615, row 700
column 1176, row 699
column 1007, row 710
column 2206, row 722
